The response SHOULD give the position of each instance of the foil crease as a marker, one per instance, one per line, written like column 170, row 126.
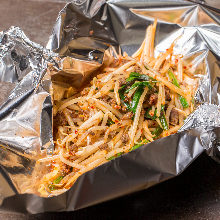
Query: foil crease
column 83, row 32
column 25, row 111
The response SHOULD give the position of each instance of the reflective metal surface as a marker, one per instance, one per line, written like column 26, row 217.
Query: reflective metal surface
column 25, row 114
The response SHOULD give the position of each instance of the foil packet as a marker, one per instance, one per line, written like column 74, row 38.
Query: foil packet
column 83, row 31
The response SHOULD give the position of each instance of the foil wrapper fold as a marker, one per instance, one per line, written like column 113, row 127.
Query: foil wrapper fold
column 26, row 108
column 83, row 32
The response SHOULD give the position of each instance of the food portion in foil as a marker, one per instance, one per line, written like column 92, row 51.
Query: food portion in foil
column 132, row 101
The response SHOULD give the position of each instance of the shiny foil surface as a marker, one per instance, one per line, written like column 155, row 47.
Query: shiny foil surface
column 84, row 30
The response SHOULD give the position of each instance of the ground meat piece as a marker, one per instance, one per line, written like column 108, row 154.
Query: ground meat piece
column 146, row 105
column 129, row 115
column 108, row 100
column 122, row 81
column 137, row 69
column 81, row 117
column 92, row 133
column 116, row 106
column 112, row 134
column 114, row 63
column 167, row 93
column 105, row 98
column 112, row 102
column 124, row 109
column 73, row 114
column 174, row 117
column 123, row 61
column 59, row 119
column 183, row 84
column 85, row 91
column 80, row 111
column 124, row 138
column 65, row 169
column 104, row 147
column 127, row 99
column 73, row 148
column 146, row 101
column 102, row 132
column 153, row 99
column 151, row 123
column 86, row 112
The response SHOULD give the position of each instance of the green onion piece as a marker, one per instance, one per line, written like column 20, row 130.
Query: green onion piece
column 157, row 132
column 173, row 78
column 111, row 90
column 148, row 84
column 58, row 179
column 139, row 145
column 110, row 122
column 136, row 98
column 146, row 68
column 163, row 122
column 133, row 76
column 175, row 82
column 136, row 146
column 115, row 156
column 183, row 102
column 138, row 92
column 138, row 76
column 127, row 105
column 52, row 187
column 121, row 92
column 162, row 119
column 133, row 86
column 144, row 83
column 147, row 114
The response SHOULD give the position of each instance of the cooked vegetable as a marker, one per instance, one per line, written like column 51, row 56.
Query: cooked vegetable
column 52, row 187
column 176, row 83
column 140, row 77
column 58, row 179
column 151, row 115
column 157, row 132
column 139, row 145
column 113, row 157
column 183, row 101
column 130, row 103
column 110, row 122
column 136, row 98
column 162, row 119
column 122, row 97
column 137, row 84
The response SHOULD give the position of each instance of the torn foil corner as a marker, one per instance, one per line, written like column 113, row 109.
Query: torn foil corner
column 26, row 108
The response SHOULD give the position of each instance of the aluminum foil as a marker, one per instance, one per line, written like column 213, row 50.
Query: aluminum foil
column 83, row 31
column 26, row 108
